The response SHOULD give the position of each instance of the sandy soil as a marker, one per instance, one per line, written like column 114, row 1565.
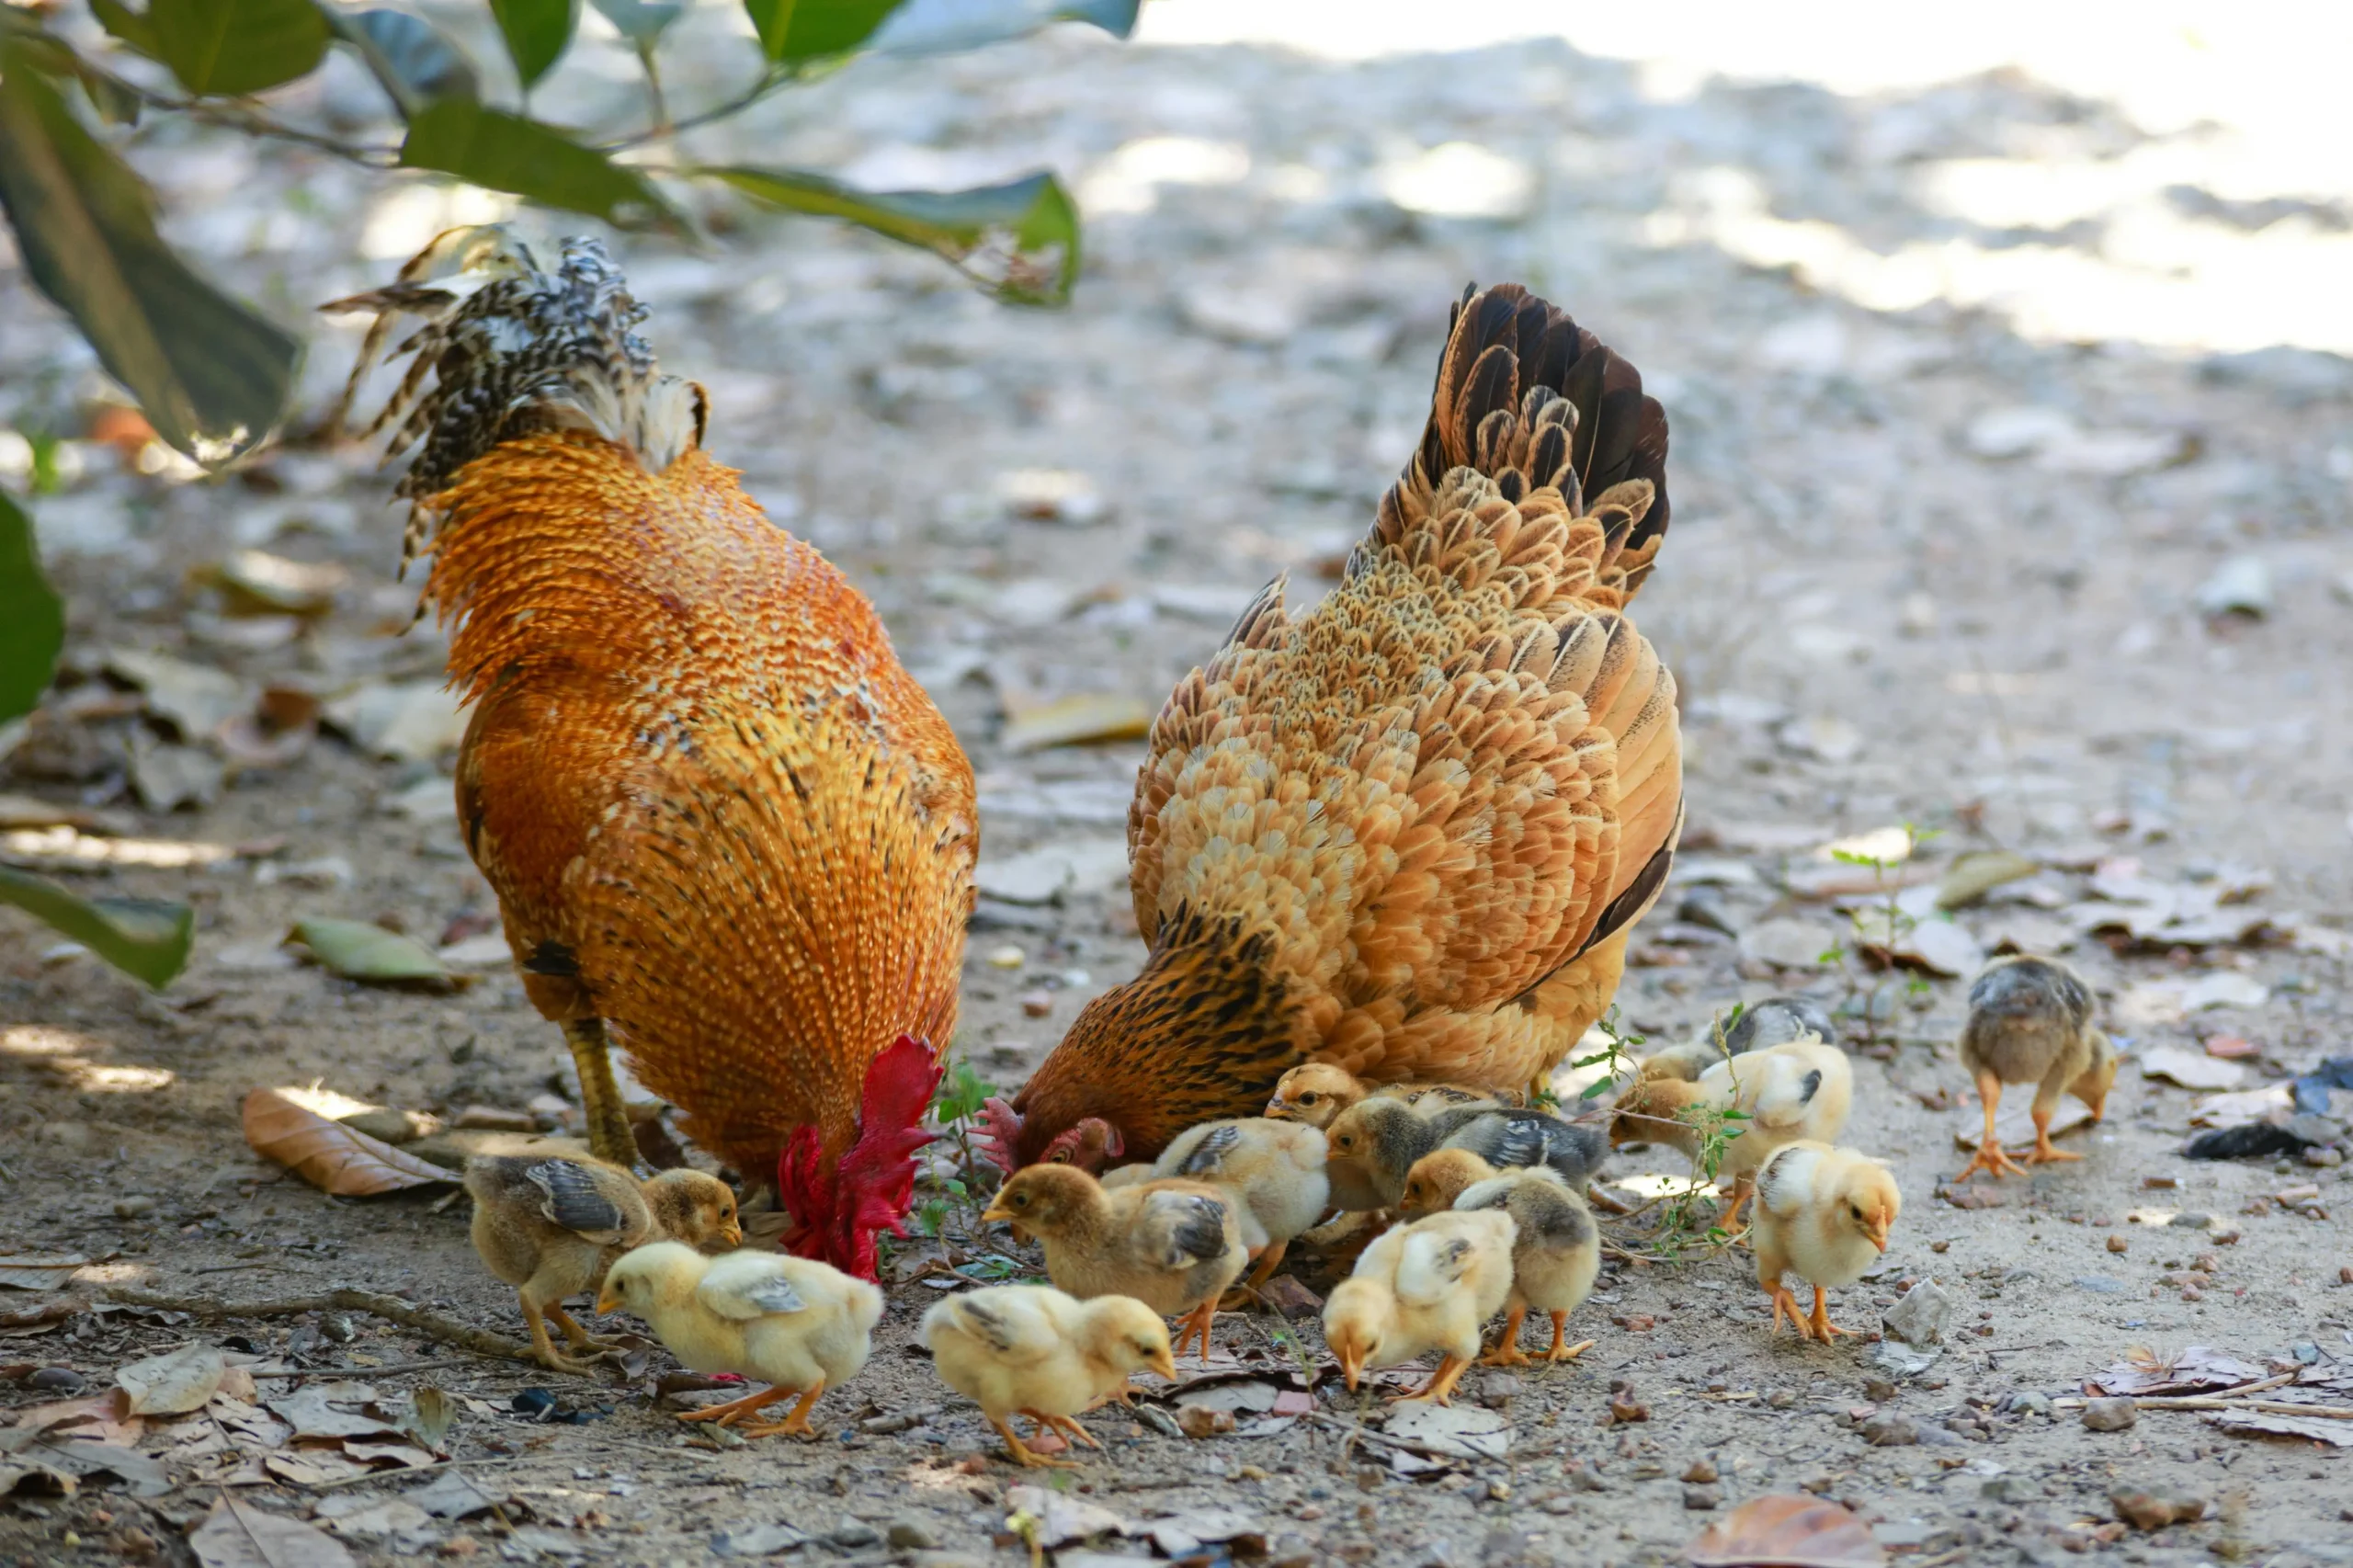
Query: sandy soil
column 1922, row 569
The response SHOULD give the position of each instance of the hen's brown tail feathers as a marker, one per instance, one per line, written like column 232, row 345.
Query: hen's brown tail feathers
column 524, row 352
column 1530, row 398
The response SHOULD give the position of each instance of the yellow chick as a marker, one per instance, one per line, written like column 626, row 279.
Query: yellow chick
column 1174, row 1245
column 2030, row 1022
column 1315, row 1092
column 552, row 1227
column 1555, row 1259
column 1825, row 1213
column 1373, row 1145
column 1274, row 1172
column 1043, row 1354
column 801, row 1326
column 1801, row 1089
column 1430, row 1285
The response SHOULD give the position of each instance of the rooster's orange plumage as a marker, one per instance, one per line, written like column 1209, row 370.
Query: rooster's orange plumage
column 723, row 821
column 1407, row 831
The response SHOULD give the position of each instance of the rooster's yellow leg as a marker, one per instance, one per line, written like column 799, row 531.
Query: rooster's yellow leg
column 1507, row 1352
column 609, row 1137
column 796, row 1420
column 1989, row 1156
column 1021, row 1455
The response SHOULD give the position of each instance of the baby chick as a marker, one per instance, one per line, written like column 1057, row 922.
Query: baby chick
column 1374, row 1143
column 1825, row 1213
column 552, row 1227
column 1044, row 1354
column 2030, row 1022
column 1272, row 1170
column 1316, row 1092
column 1430, row 1285
column 1801, row 1089
column 1174, row 1245
column 798, row 1324
column 1553, row 1262
column 1759, row 1026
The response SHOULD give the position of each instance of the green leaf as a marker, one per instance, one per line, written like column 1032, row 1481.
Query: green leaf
column 946, row 27
column 145, row 938
column 410, row 60
column 133, row 30
column 230, row 48
column 504, row 152
column 795, row 30
column 211, row 376
column 357, row 951
column 536, row 32
column 640, row 21
column 32, row 621
column 1020, row 239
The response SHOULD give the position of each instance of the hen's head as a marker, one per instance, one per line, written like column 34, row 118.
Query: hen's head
column 838, row 1209
column 1087, row 1143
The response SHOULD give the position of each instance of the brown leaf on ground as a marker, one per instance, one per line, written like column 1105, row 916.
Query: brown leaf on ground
column 233, row 1536
column 329, row 1155
column 1787, row 1532
column 171, row 1384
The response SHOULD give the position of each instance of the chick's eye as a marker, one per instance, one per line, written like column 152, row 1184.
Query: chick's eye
column 1022, row 1201
column 1310, row 1098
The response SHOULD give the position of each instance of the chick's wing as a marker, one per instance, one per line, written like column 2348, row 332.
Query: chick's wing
column 1181, row 1229
column 577, row 1199
column 744, row 1287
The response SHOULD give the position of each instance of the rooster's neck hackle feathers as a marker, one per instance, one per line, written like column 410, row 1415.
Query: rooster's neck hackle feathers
column 524, row 352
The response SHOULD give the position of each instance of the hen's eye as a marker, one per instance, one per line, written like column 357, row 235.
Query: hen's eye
column 1059, row 1157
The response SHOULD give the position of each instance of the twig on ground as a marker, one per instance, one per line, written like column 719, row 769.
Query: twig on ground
column 45, row 1311
column 1423, row 1449
column 390, row 1308
column 396, row 1369
column 416, row 1469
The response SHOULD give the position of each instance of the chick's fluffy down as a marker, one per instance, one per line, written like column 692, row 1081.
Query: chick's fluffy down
column 1029, row 1347
column 786, row 1321
column 1272, row 1169
column 1431, row 1285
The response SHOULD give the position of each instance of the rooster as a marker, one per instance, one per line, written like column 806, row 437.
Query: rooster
column 727, row 830
column 1408, row 833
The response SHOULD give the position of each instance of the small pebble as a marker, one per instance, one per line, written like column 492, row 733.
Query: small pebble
column 1588, row 1481
column 1195, row 1421
column 1890, row 1432
column 851, row 1535
column 1702, row 1472
column 1008, row 957
column 906, row 1535
column 1878, row 1390
column 1037, row 1003
column 2110, row 1414
column 56, row 1380
column 1702, row 1497
column 133, row 1206
column 2147, row 1511
column 2118, row 1244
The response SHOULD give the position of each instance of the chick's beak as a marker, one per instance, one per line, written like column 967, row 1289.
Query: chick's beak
column 996, row 1211
column 606, row 1301
column 1279, row 1108
column 1352, row 1364
column 1164, row 1365
column 1877, row 1232
column 731, row 1233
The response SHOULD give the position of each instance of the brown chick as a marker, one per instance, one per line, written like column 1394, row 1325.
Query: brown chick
column 552, row 1227
column 1317, row 1091
column 1174, row 1245
column 2030, row 1022
column 1825, row 1213
column 1373, row 1146
column 1555, row 1257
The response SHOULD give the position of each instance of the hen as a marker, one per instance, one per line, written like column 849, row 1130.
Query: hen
column 1407, row 831
column 726, row 828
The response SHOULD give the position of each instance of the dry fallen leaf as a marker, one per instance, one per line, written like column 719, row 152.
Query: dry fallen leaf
column 39, row 1270
column 358, row 950
column 1787, row 1532
column 1072, row 721
column 234, row 1536
column 329, row 1155
column 172, row 1384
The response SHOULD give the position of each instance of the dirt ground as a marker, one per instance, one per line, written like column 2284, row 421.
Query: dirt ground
column 1922, row 570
